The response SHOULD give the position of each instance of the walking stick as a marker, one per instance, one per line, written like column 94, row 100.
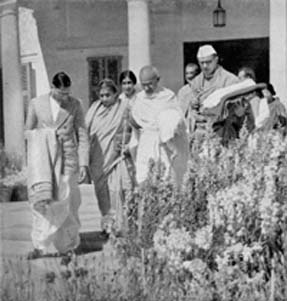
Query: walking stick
column 122, row 202
column 141, row 203
column 272, row 280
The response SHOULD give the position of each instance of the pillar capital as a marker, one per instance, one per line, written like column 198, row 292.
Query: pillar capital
column 8, row 7
column 146, row 1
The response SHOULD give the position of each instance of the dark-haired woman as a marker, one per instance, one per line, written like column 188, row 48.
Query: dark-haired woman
column 128, row 83
column 110, row 164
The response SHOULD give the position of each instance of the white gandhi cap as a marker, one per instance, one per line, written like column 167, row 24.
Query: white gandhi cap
column 205, row 50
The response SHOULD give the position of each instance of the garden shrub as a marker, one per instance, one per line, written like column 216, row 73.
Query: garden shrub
column 13, row 181
column 229, row 218
column 222, row 236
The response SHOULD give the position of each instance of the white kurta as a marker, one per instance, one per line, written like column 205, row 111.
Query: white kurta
column 55, row 108
column 160, row 120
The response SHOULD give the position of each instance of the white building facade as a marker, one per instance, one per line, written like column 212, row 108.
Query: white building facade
column 92, row 39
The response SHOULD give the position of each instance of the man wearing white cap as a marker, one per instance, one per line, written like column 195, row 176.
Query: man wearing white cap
column 212, row 77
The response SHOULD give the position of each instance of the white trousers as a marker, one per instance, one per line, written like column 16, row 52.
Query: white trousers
column 56, row 223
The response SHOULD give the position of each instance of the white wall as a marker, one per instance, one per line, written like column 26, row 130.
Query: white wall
column 278, row 48
column 193, row 23
column 244, row 19
column 167, row 48
column 70, row 34
column 74, row 61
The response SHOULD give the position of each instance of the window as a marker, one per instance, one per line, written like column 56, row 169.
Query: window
column 100, row 68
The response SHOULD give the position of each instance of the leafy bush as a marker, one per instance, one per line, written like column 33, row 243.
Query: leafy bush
column 229, row 218
column 13, row 178
column 221, row 237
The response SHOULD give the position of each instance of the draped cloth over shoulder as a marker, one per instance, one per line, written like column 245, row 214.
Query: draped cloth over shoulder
column 43, row 150
column 230, row 107
column 201, row 88
column 102, row 125
column 215, row 104
column 154, row 131
column 173, row 132
column 57, row 146
column 110, row 169
column 50, row 192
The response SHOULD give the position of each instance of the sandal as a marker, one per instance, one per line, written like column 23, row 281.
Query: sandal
column 36, row 253
column 104, row 235
column 66, row 258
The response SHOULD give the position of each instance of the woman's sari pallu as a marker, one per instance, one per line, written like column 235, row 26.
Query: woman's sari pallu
column 111, row 170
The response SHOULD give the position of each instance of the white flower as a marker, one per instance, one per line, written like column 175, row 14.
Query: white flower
column 247, row 254
column 222, row 262
column 195, row 266
column 203, row 237
column 172, row 243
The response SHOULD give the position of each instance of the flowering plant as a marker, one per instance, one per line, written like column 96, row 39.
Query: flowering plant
column 13, row 175
column 229, row 217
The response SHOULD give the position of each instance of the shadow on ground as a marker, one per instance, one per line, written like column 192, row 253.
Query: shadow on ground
column 91, row 242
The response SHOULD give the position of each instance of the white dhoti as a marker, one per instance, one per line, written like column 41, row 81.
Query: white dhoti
column 149, row 148
column 162, row 134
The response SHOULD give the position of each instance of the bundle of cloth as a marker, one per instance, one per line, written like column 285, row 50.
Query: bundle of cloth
column 49, row 192
column 231, row 107
column 159, row 134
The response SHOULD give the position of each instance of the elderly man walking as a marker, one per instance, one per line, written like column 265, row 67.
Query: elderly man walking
column 212, row 77
column 160, row 131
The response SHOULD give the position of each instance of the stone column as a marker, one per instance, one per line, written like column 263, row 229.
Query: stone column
column 12, row 86
column 139, row 34
column 278, row 47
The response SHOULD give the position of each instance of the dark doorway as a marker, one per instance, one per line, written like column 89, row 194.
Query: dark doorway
column 234, row 54
column 1, row 111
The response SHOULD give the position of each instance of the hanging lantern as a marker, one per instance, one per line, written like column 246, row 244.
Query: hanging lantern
column 219, row 16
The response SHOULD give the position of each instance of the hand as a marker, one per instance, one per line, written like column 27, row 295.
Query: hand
column 83, row 173
column 200, row 118
column 195, row 106
column 171, row 150
column 125, row 150
column 173, row 156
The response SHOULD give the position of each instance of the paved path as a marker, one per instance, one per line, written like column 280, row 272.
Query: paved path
column 98, row 255
column 16, row 223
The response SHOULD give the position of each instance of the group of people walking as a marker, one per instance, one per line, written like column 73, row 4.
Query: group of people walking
column 113, row 144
